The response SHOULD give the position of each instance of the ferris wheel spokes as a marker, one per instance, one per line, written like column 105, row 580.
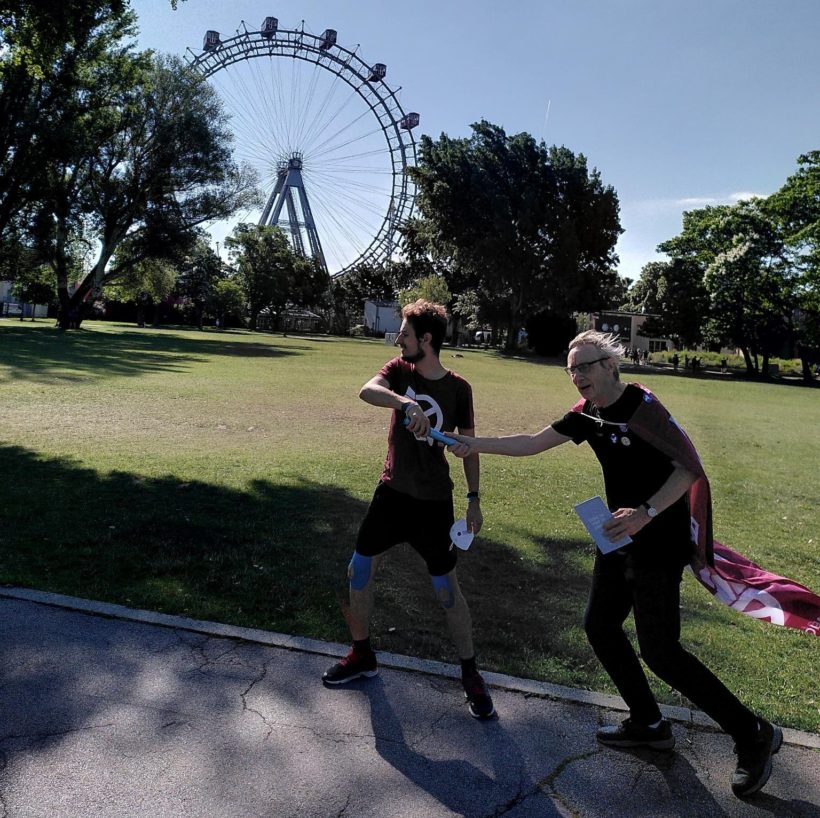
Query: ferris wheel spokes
column 331, row 168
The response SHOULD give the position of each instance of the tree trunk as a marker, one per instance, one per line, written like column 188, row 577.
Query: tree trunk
column 509, row 341
column 750, row 367
column 454, row 337
column 805, row 364
column 65, row 304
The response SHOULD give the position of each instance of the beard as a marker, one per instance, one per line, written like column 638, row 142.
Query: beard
column 412, row 359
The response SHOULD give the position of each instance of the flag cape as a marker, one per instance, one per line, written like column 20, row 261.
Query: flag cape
column 729, row 576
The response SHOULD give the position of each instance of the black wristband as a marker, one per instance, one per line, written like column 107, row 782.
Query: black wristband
column 472, row 495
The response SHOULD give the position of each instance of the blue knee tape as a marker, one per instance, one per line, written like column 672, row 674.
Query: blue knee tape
column 444, row 591
column 359, row 571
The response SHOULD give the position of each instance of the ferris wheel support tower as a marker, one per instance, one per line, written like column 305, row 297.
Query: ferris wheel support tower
column 290, row 192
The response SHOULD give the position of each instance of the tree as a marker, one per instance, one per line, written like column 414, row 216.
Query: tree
column 751, row 287
column 200, row 272
column 33, row 286
column 527, row 227
column 431, row 288
column 615, row 291
column 147, row 283
column 228, row 301
column 675, row 298
column 346, row 294
column 271, row 275
column 167, row 171
column 61, row 66
column 796, row 208
column 53, row 75
column 144, row 159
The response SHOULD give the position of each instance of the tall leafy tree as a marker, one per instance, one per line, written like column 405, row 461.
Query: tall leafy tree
column 227, row 300
column 796, row 208
column 147, row 283
column 430, row 288
column 674, row 296
column 271, row 275
column 199, row 274
column 143, row 191
column 527, row 227
column 33, row 286
column 751, row 286
column 54, row 79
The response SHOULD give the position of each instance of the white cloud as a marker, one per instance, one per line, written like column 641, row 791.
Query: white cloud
column 732, row 198
column 698, row 201
column 745, row 195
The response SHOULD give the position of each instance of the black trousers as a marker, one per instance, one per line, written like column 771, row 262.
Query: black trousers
column 621, row 583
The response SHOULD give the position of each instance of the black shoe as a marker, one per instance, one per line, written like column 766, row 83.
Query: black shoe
column 351, row 667
column 478, row 697
column 628, row 734
column 754, row 759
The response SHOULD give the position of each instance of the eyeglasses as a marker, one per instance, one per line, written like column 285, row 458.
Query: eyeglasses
column 584, row 368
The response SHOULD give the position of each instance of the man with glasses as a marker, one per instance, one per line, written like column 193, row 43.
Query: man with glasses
column 648, row 492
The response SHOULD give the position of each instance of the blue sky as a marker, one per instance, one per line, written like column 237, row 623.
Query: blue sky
column 678, row 104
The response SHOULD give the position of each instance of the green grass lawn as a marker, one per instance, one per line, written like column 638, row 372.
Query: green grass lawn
column 223, row 476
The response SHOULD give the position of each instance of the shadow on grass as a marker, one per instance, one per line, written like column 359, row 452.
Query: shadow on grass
column 32, row 352
column 271, row 556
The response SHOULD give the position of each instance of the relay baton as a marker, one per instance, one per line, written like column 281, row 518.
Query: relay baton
column 436, row 435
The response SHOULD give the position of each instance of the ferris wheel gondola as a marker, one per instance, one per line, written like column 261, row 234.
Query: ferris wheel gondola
column 326, row 134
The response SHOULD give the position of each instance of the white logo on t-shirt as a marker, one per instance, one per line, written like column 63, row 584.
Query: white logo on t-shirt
column 430, row 408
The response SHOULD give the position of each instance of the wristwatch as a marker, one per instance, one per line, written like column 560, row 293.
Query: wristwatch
column 650, row 510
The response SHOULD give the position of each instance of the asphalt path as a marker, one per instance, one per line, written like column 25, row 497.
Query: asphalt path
column 106, row 711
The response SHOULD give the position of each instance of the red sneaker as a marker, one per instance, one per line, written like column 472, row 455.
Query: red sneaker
column 351, row 667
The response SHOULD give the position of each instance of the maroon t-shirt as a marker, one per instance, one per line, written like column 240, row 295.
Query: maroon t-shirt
column 419, row 467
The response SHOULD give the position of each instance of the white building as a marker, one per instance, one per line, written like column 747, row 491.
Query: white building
column 382, row 316
column 10, row 307
column 626, row 325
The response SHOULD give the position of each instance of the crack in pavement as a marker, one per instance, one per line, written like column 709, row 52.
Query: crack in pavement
column 429, row 733
column 546, row 787
column 56, row 733
column 338, row 738
column 343, row 810
column 199, row 647
column 244, row 697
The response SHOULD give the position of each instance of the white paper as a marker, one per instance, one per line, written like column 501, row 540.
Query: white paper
column 594, row 514
column 461, row 536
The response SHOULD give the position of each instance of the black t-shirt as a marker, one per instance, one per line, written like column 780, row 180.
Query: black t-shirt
column 633, row 471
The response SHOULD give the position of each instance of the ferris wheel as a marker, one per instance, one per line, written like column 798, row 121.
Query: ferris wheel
column 326, row 135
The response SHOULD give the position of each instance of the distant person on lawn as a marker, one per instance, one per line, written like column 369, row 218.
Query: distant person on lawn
column 414, row 499
column 646, row 491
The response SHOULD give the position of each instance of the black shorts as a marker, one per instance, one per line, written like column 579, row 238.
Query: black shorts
column 395, row 517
